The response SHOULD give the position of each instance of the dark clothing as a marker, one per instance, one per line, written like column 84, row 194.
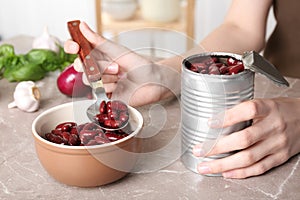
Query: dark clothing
column 283, row 46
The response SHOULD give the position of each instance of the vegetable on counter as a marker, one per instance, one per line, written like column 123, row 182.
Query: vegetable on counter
column 70, row 83
column 26, row 97
column 46, row 41
column 33, row 65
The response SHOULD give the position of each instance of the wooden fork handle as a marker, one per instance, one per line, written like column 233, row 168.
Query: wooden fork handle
column 90, row 66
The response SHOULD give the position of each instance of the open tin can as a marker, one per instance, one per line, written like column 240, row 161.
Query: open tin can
column 206, row 95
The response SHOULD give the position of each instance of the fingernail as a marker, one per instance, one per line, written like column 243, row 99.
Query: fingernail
column 113, row 68
column 73, row 47
column 198, row 151
column 204, row 169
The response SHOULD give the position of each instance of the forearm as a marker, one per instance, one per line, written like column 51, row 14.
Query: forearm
column 243, row 29
column 231, row 38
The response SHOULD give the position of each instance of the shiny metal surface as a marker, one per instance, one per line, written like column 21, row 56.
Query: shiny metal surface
column 204, row 96
column 259, row 64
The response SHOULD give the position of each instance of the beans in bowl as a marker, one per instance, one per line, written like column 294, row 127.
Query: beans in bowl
column 69, row 133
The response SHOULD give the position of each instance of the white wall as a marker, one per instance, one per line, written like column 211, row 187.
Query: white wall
column 209, row 16
column 28, row 17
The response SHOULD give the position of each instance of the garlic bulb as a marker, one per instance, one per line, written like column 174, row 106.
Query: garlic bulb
column 46, row 41
column 26, row 97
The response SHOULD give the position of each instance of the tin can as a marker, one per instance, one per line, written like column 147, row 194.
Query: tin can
column 202, row 97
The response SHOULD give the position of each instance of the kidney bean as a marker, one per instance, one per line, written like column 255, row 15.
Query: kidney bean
column 217, row 66
column 120, row 132
column 232, row 61
column 65, row 125
column 194, row 69
column 101, row 140
column 107, row 123
column 54, row 138
column 74, row 130
column 80, row 127
column 109, row 110
column 74, row 140
column 113, row 136
column 89, row 134
column 113, row 115
column 101, row 118
column 199, row 66
column 108, row 104
column 236, row 68
column 84, row 140
column 211, row 60
column 65, row 136
column 102, row 107
column 117, row 124
column 57, row 132
column 223, row 69
column 213, row 69
column 123, row 117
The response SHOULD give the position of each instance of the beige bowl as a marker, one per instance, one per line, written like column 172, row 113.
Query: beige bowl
column 120, row 9
column 85, row 166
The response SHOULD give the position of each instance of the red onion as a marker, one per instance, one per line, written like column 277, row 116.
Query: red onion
column 69, row 82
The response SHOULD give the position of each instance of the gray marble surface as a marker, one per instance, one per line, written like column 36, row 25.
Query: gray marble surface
column 159, row 173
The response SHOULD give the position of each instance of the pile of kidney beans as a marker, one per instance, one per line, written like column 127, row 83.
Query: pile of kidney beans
column 112, row 114
column 217, row 66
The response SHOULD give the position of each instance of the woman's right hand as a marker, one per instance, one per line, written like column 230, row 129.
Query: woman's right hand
column 127, row 75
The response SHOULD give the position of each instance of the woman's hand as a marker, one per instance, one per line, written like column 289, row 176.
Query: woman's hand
column 271, row 140
column 127, row 75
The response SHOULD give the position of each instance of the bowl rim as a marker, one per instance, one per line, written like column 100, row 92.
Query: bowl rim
column 61, row 146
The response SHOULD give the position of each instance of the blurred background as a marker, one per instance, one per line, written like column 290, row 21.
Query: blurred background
column 120, row 20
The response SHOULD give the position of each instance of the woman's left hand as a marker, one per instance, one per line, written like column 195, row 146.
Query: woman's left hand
column 271, row 140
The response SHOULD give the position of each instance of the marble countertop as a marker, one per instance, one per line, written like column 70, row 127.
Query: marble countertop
column 160, row 175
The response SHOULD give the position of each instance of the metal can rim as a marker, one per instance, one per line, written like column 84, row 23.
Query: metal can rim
column 220, row 54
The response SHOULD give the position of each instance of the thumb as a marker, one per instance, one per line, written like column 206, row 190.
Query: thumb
column 93, row 37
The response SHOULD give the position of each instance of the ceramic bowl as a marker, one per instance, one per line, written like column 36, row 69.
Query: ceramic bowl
column 85, row 166
column 120, row 9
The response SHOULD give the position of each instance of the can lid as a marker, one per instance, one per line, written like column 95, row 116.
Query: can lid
column 255, row 62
